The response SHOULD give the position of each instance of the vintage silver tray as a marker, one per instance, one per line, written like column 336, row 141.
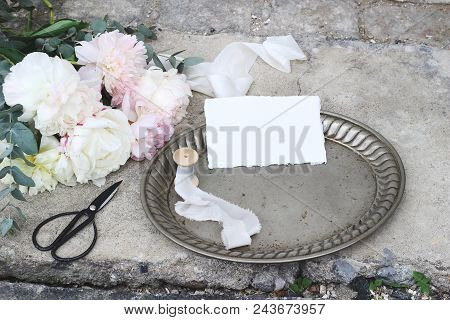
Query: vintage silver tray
column 305, row 211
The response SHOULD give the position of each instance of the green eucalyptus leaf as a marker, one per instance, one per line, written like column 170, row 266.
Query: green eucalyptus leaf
column 13, row 55
column 39, row 42
column 129, row 30
column 22, row 215
column 15, row 116
column 4, row 130
column 49, row 48
column 139, row 36
column 17, row 153
column 80, row 35
column 149, row 51
column 21, row 178
column 54, row 42
column 191, row 61
column 4, row 171
column 17, row 194
column 24, row 138
column 5, row 67
column 2, row 98
column 180, row 67
column 7, row 115
column 88, row 37
column 15, row 108
column 55, row 29
column 16, row 225
column 173, row 61
column 146, row 31
column 66, row 50
column 5, row 16
column 71, row 31
column 5, row 191
column 115, row 25
column 5, row 226
column 98, row 26
column 158, row 62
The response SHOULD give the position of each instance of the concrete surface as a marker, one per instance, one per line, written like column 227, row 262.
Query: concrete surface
column 423, row 24
column 399, row 88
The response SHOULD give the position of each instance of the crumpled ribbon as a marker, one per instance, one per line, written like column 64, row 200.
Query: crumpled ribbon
column 228, row 75
column 238, row 224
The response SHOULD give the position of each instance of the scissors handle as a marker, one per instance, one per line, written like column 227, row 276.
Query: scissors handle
column 65, row 235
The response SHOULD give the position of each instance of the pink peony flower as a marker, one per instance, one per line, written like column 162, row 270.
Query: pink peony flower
column 151, row 131
column 120, row 58
column 166, row 93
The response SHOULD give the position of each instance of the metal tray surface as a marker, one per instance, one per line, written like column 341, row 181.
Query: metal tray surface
column 305, row 211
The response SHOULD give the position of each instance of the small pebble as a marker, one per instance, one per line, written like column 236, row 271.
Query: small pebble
column 314, row 288
column 323, row 289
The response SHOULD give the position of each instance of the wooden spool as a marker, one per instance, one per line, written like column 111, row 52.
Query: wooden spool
column 187, row 157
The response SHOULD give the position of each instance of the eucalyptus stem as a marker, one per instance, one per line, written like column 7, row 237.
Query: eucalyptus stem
column 6, row 206
column 10, row 141
column 49, row 5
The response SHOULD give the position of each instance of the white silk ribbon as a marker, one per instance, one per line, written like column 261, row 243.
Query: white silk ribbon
column 228, row 75
column 238, row 224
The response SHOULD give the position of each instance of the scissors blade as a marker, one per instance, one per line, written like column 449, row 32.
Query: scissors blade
column 104, row 197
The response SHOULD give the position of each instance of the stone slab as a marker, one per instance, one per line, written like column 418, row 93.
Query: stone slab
column 401, row 91
column 408, row 22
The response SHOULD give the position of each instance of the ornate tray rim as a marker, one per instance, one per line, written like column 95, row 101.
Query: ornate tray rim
column 231, row 255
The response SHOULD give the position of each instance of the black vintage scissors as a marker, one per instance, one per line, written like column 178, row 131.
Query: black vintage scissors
column 72, row 230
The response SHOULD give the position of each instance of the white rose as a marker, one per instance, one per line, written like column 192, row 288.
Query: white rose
column 49, row 168
column 51, row 93
column 99, row 146
column 166, row 93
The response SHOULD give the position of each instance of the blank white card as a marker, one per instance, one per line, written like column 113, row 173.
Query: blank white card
column 261, row 131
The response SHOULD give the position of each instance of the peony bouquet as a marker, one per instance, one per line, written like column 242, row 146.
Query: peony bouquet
column 77, row 113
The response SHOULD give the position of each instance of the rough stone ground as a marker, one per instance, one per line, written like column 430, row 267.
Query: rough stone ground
column 385, row 63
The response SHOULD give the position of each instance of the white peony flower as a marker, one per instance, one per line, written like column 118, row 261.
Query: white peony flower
column 91, row 77
column 83, row 103
column 100, row 145
column 51, row 93
column 50, row 167
column 166, row 93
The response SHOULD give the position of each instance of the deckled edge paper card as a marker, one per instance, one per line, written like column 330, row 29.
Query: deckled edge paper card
column 261, row 131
